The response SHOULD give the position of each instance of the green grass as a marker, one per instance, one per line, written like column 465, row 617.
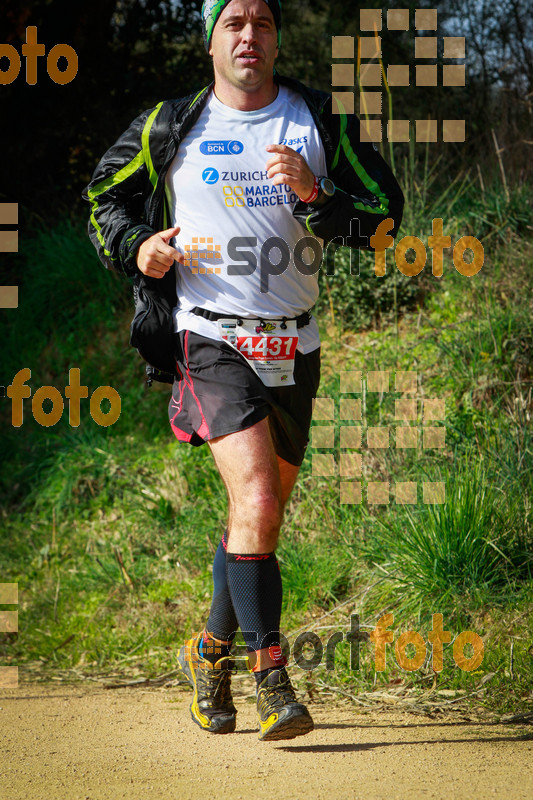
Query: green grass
column 457, row 551
column 110, row 532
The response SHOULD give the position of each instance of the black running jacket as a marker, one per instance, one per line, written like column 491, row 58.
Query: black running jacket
column 127, row 191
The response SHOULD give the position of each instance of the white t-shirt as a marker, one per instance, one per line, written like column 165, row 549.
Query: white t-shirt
column 218, row 189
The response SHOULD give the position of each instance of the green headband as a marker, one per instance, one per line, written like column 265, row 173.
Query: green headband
column 212, row 9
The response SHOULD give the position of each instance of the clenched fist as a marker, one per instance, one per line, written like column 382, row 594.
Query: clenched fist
column 288, row 166
column 155, row 256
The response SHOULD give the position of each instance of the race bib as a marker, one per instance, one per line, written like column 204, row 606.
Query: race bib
column 268, row 348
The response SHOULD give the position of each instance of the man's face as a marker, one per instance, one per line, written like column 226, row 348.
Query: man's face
column 244, row 45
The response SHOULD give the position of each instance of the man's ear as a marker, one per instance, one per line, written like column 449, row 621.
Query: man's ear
column 211, row 52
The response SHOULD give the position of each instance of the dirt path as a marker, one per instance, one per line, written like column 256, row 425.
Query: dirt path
column 77, row 743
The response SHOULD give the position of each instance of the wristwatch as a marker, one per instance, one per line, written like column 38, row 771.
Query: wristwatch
column 326, row 190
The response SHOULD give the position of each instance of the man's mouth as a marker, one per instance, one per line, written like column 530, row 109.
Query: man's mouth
column 249, row 56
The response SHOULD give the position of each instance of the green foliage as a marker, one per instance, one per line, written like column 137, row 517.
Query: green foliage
column 314, row 572
column 355, row 298
column 110, row 532
column 67, row 294
column 456, row 553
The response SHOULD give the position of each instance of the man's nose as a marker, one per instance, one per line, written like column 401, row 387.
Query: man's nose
column 249, row 33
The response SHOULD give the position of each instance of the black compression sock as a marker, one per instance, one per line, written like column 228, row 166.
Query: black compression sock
column 254, row 583
column 222, row 621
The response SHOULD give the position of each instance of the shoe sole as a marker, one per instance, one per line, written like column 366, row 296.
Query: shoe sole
column 230, row 723
column 288, row 728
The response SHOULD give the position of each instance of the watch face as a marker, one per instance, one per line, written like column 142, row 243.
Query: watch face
column 327, row 186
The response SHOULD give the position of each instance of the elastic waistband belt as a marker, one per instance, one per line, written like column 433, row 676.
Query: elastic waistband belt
column 301, row 321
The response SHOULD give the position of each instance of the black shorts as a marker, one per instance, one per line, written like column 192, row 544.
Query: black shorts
column 219, row 393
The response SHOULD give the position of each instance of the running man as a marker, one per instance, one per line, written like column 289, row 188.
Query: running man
column 252, row 156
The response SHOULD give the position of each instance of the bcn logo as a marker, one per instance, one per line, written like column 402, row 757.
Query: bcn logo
column 32, row 50
column 221, row 147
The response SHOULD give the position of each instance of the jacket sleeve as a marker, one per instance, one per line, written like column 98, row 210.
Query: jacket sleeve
column 118, row 193
column 366, row 190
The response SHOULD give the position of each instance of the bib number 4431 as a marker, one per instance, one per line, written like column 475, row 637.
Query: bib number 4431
column 269, row 348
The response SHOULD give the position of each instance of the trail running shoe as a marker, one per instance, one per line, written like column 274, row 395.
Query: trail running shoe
column 212, row 704
column 280, row 714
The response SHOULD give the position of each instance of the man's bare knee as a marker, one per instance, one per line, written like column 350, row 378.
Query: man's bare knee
column 261, row 508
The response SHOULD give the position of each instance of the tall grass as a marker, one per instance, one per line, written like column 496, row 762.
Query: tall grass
column 110, row 533
column 65, row 296
column 454, row 553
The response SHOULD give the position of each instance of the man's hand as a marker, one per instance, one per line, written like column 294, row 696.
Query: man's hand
column 155, row 256
column 288, row 166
